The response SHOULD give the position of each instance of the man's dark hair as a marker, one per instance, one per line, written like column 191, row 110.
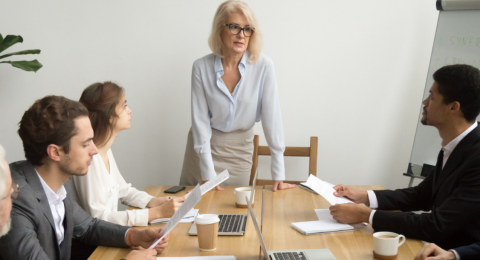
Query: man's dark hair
column 460, row 83
column 50, row 120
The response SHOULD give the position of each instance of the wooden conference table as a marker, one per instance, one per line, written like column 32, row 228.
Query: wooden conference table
column 280, row 210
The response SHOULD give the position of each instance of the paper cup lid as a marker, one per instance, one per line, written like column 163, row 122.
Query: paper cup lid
column 204, row 219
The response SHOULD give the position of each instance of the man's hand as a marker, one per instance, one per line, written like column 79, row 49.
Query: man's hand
column 146, row 254
column 350, row 213
column 279, row 185
column 434, row 252
column 357, row 196
column 216, row 187
column 146, row 237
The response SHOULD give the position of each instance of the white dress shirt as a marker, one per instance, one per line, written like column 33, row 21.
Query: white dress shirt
column 57, row 207
column 255, row 98
column 447, row 150
column 98, row 193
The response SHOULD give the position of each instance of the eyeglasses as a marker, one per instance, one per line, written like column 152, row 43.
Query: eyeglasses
column 235, row 29
column 15, row 188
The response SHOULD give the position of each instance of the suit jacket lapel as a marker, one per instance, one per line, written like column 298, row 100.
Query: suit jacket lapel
column 33, row 180
column 66, row 245
column 455, row 158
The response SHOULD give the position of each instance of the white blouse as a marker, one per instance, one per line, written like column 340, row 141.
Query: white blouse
column 98, row 193
column 254, row 98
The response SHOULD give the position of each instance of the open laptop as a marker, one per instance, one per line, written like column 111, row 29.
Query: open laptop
column 230, row 224
column 303, row 254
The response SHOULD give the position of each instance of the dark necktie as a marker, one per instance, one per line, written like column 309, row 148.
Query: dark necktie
column 438, row 170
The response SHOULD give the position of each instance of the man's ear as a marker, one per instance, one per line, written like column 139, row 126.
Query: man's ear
column 53, row 152
column 455, row 106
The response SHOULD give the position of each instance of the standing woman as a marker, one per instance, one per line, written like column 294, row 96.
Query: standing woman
column 233, row 88
column 99, row 190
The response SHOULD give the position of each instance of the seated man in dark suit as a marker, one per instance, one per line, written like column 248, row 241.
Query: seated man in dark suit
column 434, row 252
column 57, row 140
column 452, row 192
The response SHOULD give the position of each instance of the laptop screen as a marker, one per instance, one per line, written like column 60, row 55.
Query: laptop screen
column 255, row 223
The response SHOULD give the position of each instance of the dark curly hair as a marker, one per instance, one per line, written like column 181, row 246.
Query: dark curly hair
column 460, row 83
column 50, row 120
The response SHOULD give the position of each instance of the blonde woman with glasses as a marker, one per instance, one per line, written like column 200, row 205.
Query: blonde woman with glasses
column 232, row 89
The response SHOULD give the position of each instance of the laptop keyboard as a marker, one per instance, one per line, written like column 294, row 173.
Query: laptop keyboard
column 289, row 256
column 232, row 223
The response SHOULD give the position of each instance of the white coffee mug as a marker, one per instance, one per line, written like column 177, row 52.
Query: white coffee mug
column 387, row 243
column 240, row 194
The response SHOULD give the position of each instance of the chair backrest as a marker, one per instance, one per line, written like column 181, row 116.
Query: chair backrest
column 310, row 152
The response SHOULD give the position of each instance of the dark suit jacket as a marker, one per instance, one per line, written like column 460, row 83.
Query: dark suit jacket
column 33, row 231
column 452, row 195
column 471, row 252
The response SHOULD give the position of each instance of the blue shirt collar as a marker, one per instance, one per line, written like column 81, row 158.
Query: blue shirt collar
column 243, row 63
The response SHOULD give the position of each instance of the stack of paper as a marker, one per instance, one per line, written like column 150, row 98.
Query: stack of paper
column 188, row 218
column 323, row 188
column 324, row 224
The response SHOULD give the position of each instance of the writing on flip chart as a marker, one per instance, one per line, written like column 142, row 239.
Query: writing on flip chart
column 187, row 205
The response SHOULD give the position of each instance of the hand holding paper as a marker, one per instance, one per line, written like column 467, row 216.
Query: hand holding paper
column 357, row 196
column 350, row 213
column 187, row 205
column 324, row 189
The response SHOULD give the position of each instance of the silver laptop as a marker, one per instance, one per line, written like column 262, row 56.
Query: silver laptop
column 230, row 224
column 310, row 254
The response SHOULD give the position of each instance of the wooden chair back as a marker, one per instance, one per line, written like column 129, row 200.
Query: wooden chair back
column 310, row 152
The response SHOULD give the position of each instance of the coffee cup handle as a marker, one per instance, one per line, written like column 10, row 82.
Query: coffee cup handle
column 402, row 237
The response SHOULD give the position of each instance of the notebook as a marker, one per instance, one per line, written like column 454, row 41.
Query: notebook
column 324, row 224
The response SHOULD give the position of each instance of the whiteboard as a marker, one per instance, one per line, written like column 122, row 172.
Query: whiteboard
column 457, row 41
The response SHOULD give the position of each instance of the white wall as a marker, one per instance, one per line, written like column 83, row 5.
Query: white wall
column 350, row 72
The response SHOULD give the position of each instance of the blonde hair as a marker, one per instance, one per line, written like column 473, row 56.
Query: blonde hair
column 224, row 10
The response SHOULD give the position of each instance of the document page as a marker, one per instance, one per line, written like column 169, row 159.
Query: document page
column 187, row 205
column 214, row 182
column 214, row 257
column 188, row 218
column 325, row 190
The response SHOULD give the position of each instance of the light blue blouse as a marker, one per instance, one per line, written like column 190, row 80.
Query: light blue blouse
column 255, row 98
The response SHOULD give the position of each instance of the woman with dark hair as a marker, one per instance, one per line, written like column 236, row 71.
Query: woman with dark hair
column 98, row 191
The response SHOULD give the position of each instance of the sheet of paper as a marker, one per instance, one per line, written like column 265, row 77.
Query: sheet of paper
column 207, row 186
column 325, row 190
column 187, row 205
column 188, row 218
column 214, row 257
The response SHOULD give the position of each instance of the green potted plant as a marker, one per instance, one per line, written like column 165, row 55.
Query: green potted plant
column 10, row 40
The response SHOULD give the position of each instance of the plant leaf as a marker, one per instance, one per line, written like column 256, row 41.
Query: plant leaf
column 9, row 41
column 1, row 37
column 32, row 65
column 20, row 53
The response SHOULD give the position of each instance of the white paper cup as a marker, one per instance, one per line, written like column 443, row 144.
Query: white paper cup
column 240, row 194
column 385, row 244
column 207, row 231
